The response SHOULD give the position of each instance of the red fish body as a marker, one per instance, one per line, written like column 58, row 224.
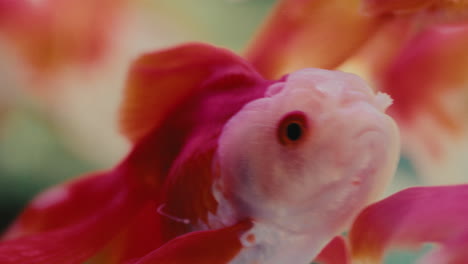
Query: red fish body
column 264, row 171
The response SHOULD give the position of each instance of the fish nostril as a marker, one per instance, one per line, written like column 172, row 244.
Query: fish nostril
column 275, row 89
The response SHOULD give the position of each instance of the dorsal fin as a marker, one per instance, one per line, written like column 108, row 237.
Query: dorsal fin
column 159, row 82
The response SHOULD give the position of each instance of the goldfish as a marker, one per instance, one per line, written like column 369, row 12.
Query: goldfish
column 226, row 167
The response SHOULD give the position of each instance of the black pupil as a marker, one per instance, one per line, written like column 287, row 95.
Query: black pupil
column 294, row 131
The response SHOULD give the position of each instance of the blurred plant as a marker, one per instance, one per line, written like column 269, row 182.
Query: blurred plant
column 413, row 50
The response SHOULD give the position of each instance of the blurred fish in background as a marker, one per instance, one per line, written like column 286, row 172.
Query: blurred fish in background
column 420, row 57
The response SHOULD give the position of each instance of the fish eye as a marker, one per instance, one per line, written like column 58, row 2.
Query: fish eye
column 292, row 128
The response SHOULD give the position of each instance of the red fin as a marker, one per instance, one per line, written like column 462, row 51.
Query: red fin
column 177, row 101
column 198, row 199
column 207, row 247
column 140, row 237
column 69, row 224
column 336, row 252
column 160, row 81
column 63, row 205
column 48, row 248
column 410, row 218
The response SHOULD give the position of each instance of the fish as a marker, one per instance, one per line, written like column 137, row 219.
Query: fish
column 226, row 167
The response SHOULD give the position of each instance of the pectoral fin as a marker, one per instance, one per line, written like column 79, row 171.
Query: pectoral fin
column 70, row 223
column 207, row 247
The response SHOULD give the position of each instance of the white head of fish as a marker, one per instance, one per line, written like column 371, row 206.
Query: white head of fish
column 302, row 162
